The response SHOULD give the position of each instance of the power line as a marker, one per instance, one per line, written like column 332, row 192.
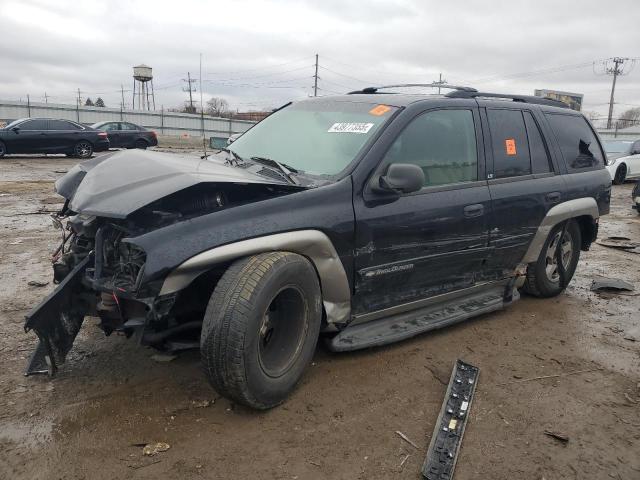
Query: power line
column 259, row 68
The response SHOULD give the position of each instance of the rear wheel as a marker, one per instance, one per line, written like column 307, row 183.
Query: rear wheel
column 621, row 175
column 141, row 144
column 543, row 276
column 3, row 149
column 261, row 327
column 83, row 149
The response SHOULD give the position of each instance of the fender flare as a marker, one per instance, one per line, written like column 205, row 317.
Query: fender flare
column 563, row 211
column 312, row 244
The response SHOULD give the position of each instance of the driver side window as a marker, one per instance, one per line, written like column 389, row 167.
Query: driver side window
column 442, row 143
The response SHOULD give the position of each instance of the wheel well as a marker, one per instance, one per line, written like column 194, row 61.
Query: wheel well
column 588, row 230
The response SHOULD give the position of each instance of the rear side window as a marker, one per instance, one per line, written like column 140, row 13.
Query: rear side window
column 540, row 161
column 128, row 126
column 442, row 143
column 62, row 125
column 577, row 141
column 509, row 142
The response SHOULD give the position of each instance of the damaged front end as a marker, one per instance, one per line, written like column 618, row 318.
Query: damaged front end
column 99, row 269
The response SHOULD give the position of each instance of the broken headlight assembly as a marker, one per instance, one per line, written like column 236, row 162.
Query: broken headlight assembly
column 119, row 265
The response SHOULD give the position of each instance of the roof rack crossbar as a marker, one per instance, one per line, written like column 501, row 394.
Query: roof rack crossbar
column 411, row 85
column 516, row 98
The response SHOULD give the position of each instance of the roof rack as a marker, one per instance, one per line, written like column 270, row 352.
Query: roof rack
column 515, row 98
column 457, row 88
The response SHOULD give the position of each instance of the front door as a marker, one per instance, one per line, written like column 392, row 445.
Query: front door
column 30, row 137
column 433, row 241
column 113, row 133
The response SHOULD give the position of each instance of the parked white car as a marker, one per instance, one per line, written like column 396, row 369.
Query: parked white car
column 623, row 159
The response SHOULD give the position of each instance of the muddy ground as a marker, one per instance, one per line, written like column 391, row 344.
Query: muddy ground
column 111, row 396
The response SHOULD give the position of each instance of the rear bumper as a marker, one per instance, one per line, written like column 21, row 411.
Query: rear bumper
column 101, row 145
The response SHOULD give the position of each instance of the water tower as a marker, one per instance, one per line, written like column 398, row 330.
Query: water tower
column 142, row 77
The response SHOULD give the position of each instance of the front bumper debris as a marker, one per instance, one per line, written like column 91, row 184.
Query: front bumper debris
column 57, row 321
column 447, row 435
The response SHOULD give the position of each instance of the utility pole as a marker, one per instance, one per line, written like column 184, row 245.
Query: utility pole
column 315, row 79
column 46, row 99
column 79, row 100
column 615, row 71
column 28, row 106
column 440, row 82
column 189, row 88
column 122, row 92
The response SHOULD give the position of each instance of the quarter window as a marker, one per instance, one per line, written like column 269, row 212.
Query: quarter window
column 442, row 143
column 578, row 143
column 509, row 142
column 540, row 161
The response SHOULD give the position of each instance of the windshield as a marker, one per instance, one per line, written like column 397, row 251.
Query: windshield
column 616, row 146
column 315, row 137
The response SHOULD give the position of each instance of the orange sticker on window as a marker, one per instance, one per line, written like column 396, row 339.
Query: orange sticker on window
column 379, row 110
column 510, row 146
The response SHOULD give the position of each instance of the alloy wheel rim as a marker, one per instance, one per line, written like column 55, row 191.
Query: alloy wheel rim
column 551, row 259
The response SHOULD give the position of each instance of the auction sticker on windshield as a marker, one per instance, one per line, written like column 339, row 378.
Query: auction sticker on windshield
column 350, row 128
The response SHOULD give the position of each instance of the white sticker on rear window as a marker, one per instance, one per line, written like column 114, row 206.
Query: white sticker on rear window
column 350, row 128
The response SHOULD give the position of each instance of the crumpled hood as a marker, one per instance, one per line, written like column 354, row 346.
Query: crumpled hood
column 116, row 185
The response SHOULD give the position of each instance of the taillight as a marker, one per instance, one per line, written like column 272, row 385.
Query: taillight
column 102, row 134
column 154, row 134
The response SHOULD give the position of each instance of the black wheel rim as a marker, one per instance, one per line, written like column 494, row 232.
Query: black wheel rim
column 282, row 331
column 83, row 149
column 620, row 174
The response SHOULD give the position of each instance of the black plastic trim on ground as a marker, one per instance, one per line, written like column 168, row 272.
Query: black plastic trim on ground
column 447, row 434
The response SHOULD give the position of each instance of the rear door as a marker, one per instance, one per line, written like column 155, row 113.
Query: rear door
column 523, row 182
column 61, row 136
column 432, row 241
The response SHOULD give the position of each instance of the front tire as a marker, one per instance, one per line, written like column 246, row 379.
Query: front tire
column 621, row 175
column 543, row 276
column 261, row 327
column 83, row 149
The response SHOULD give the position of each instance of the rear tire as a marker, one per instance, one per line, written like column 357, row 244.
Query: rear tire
column 141, row 144
column 83, row 149
column 261, row 327
column 543, row 278
column 621, row 175
column 3, row 149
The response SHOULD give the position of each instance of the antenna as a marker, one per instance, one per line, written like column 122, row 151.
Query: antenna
column 204, row 142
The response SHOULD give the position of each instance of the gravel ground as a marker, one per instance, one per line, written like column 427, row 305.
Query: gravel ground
column 111, row 397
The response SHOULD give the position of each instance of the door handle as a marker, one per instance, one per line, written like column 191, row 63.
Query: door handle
column 553, row 197
column 474, row 210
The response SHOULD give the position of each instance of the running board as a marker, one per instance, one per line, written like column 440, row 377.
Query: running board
column 444, row 447
column 409, row 324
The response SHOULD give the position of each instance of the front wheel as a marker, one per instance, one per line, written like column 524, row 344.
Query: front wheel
column 3, row 149
column 83, row 149
column 543, row 276
column 621, row 175
column 261, row 327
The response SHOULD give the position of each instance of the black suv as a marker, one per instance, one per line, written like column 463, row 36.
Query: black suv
column 363, row 219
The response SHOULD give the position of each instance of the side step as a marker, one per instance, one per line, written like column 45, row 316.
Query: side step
column 409, row 324
column 444, row 447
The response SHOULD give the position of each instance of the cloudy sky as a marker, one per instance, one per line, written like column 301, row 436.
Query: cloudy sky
column 259, row 54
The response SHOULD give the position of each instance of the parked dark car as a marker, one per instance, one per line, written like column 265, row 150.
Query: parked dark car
column 127, row 135
column 361, row 219
column 49, row 135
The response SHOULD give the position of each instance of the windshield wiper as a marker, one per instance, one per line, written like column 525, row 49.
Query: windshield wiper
column 285, row 170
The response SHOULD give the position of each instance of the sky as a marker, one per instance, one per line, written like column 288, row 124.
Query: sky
column 261, row 54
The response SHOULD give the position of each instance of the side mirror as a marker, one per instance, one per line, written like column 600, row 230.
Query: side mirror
column 16, row 129
column 401, row 178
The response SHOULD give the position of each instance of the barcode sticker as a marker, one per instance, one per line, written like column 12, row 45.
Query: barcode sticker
column 350, row 128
